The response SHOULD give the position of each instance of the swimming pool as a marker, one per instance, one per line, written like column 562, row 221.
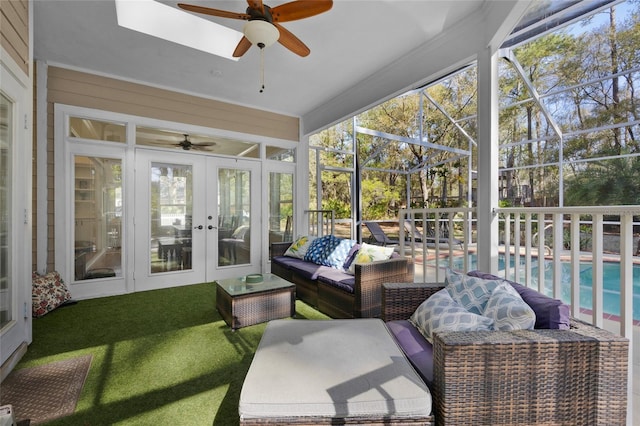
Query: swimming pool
column 610, row 274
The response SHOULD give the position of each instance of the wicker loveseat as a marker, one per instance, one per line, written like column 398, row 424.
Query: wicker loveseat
column 336, row 293
column 575, row 376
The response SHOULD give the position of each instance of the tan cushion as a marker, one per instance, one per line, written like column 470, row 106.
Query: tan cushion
column 331, row 368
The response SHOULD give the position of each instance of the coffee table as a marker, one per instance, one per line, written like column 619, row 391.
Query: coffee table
column 241, row 304
column 331, row 372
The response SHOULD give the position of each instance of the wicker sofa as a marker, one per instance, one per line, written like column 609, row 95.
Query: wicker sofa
column 335, row 293
column 574, row 376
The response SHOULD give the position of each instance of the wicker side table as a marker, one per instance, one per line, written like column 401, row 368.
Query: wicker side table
column 241, row 304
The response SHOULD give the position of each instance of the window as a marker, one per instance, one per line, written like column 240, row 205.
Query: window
column 170, row 139
column 280, row 196
column 86, row 128
column 6, row 183
column 97, row 217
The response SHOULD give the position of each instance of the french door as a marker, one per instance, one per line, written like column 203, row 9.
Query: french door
column 15, row 199
column 197, row 218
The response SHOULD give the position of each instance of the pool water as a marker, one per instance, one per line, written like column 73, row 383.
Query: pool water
column 610, row 274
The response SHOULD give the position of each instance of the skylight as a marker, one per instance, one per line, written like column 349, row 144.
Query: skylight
column 162, row 21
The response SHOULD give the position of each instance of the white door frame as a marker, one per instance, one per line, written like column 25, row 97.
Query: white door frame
column 215, row 271
column 16, row 335
column 65, row 151
column 204, row 232
column 128, row 151
column 145, row 279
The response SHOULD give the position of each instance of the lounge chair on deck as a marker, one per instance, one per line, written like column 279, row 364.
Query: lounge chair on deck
column 378, row 235
column 413, row 233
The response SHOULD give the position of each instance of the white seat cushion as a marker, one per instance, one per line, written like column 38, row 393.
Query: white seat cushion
column 331, row 368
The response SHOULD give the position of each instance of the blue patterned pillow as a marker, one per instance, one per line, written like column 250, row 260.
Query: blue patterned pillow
column 338, row 256
column 321, row 248
column 470, row 292
column 508, row 311
column 440, row 313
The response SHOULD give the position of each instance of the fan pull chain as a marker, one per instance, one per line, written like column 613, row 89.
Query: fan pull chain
column 262, row 69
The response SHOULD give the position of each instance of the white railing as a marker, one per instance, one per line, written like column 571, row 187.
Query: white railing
column 574, row 237
column 321, row 222
column 442, row 234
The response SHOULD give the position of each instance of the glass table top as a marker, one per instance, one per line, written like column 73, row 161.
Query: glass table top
column 239, row 286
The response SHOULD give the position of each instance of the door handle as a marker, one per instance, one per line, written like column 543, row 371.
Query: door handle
column 211, row 227
column 198, row 227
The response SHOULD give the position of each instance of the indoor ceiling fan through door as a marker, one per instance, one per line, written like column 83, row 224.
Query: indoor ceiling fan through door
column 187, row 145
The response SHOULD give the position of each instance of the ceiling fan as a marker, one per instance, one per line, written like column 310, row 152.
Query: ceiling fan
column 187, row 145
column 263, row 27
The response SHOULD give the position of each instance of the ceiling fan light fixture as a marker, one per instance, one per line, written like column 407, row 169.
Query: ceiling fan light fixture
column 261, row 33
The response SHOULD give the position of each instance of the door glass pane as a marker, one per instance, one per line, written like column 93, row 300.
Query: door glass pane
column 234, row 210
column 6, row 142
column 280, row 207
column 170, row 212
column 98, row 208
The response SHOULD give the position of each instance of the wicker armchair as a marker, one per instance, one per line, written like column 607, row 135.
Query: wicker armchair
column 524, row 377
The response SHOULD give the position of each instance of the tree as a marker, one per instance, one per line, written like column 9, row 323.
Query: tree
column 583, row 76
column 610, row 182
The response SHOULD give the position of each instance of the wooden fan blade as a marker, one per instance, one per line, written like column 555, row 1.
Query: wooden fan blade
column 291, row 42
column 300, row 9
column 257, row 5
column 242, row 47
column 213, row 12
column 201, row 147
column 165, row 144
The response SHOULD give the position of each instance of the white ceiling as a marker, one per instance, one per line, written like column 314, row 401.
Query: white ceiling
column 357, row 49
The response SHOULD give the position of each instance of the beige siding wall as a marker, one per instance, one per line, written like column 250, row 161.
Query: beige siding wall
column 92, row 91
column 14, row 31
column 76, row 88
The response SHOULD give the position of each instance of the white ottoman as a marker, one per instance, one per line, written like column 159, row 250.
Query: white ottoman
column 317, row 372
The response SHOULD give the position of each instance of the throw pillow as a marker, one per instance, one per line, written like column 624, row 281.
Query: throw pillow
column 340, row 253
column 550, row 313
column 320, row 250
column 369, row 253
column 440, row 313
column 470, row 292
column 48, row 292
column 351, row 256
column 508, row 311
column 299, row 247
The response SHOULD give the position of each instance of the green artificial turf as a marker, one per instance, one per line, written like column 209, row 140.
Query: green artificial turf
column 162, row 357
